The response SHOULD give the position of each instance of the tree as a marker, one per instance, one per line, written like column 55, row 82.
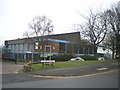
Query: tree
column 40, row 26
column 95, row 29
column 27, row 34
column 113, row 18
column 110, row 43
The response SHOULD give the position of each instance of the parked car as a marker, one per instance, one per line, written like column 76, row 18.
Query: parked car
column 101, row 58
column 76, row 59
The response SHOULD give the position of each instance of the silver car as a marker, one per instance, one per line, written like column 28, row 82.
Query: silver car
column 76, row 59
column 101, row 58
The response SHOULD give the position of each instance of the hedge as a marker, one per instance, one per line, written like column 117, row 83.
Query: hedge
column 61, row 57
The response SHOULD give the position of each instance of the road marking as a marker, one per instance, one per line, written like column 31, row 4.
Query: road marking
column 8, row 72
column 15, row 72
column 98, row 73
column 101, row 69
column 40, row 76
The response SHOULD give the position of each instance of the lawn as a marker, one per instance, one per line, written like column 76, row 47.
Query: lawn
column 68, row 64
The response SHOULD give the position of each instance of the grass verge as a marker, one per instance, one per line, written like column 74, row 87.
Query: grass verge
column 68, row 64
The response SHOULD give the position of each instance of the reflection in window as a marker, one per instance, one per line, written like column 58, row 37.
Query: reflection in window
column 36, row 45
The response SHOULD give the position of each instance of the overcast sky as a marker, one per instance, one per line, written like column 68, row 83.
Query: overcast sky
column 16, row 14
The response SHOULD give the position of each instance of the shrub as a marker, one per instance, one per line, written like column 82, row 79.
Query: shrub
column 86, row 57
column 62, row 57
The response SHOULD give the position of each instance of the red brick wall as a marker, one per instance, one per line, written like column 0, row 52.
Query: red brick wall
column 54, row 46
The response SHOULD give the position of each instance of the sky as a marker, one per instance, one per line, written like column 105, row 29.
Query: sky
column 15, row 15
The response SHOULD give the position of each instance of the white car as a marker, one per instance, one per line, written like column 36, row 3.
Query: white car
column 76, row 59
column 101, row 58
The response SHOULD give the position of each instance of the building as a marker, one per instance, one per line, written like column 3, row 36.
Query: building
column 43, row 46
column 0, row 52
column 102, row 51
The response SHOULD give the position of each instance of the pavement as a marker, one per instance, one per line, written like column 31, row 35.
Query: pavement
column 11, row 67
column 78, row 70
column 9, row 71
column 21, row 77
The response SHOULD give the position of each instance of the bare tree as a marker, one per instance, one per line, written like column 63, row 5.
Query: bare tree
column 39, row 26
column 110, row 43
column 27, row 34
column 95, row 29
column 113, row 18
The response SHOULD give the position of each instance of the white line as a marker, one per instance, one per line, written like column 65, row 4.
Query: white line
column 97, row 73
column 101, row 68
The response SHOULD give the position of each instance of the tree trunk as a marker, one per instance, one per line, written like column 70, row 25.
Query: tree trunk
column 95, row 52
column 113, row 54
column 117, row 46
column 113, row 51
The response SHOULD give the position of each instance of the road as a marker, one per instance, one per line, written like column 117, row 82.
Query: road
column 0, row 75
column 108, row 79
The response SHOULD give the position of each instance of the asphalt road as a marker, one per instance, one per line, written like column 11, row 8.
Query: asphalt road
column 108, row 79
column 0, row 75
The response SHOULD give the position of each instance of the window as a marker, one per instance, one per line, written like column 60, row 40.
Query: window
column 36, row 45
column 9, row 46
column 40, row 47
column 48, row 48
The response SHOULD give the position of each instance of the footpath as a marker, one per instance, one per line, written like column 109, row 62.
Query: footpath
column 11, row 67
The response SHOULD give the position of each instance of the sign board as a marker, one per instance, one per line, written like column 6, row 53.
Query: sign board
column 47, row 60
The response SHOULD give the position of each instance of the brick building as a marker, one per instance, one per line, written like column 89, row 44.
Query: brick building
column 46, row 45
